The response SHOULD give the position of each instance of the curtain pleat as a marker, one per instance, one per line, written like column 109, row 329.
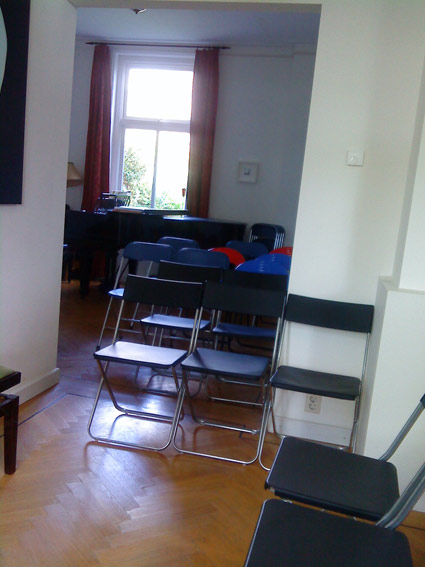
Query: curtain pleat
column 96, row 173
column 202, row 130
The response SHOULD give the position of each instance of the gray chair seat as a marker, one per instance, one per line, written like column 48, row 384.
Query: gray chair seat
column 315, row 382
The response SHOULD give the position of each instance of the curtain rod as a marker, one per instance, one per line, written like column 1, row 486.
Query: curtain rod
column 129, row 44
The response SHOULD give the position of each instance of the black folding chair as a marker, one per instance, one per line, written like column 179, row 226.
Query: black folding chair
column 343, row 482
column 178, row 323
column 159, row 292
column 288, row 535
column 340, row 316
column 233, row 368
column 134, row 253
column 259, row 333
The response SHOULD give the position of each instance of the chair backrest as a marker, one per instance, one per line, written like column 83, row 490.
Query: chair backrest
column 264, row 265
column 257, row 280
column 178, row 243
column 166, row 293
column 282, row 250
column 339, row 315
column 283, row 259
column 272, row 235
column 235, row 257
column 202, row 257
column 245, row 300
column 188, row 272
column 249, row 250
column 149, row 251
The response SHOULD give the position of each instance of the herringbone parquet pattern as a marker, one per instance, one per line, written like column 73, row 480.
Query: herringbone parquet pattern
column 75, row 503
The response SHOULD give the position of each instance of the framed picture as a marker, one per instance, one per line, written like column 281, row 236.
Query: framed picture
column 14, row 30
column 247, row 172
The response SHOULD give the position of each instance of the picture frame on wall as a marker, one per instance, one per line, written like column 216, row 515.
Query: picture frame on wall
column 14, row 33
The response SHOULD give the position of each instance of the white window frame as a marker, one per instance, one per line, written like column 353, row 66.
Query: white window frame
column 124, row 59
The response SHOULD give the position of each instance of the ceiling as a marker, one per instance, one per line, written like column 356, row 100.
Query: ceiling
column 232, row 27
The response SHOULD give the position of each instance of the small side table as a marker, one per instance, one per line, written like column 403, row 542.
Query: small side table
column 9, row 409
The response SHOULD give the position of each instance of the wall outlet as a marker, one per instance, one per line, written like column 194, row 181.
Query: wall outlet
column 313, row 403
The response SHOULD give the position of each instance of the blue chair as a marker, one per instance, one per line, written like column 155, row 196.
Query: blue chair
column 135, row 252
column 178, row 243
column 266, row 264
column 249, row 250
column 283, row 259
column 201, row 257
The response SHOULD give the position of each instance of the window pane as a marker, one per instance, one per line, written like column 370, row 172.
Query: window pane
column 139, row 157
column 161, row 94
column 172, row 169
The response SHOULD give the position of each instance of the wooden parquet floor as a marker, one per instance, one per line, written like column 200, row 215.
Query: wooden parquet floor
column 73, row 502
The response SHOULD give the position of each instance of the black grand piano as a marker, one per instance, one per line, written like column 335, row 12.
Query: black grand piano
column 93, row 235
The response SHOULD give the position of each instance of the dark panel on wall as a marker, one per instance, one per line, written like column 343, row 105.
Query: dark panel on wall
column 15, row 15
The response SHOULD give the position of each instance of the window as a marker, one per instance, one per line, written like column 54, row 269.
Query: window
column 150, row 132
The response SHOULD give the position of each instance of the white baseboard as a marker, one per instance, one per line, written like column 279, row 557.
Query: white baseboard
column 26, row 390
column 313, row 431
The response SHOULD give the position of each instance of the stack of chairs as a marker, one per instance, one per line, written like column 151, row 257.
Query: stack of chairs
column 271, row 235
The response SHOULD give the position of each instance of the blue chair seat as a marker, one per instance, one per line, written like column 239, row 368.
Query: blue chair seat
column 244, row 331
column 243, row 367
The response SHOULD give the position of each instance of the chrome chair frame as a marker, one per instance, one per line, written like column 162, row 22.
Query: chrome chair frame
column 234, row 368
column 342, row 316
column 134, row 252
column 137, row 289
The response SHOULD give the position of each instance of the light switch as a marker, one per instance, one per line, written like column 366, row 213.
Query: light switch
column 355, row 158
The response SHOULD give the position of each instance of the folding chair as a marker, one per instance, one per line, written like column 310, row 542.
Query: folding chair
column 133, row 253
column 360, row 486
column 178, row 243
column 272, row 235
column 178, row 323
column 234, row 369
column 264, row 265
column 288, row 535
column 201, row 257
column 235, row 257
column 336, row 315
column 253, row 331
column 249, row 250
column 161, row 292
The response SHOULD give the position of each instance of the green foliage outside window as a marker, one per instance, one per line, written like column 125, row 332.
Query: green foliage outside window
column 134, row 182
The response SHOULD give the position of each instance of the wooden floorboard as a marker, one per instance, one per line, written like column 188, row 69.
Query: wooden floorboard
column 73, row 502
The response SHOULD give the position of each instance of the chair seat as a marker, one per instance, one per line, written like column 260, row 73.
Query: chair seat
column 333, row 479
column 288, row 535
column 174, row 322
column 244, row 331
column 240, row 366
column 141, row 355
column 117, row 293
column 318, row 383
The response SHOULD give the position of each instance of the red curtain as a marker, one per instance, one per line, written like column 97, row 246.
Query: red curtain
column 202, row 130
column 96, row 172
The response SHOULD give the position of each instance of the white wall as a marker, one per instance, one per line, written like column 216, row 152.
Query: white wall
column 365, row 96
column 264, row 99
column 32, row 233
